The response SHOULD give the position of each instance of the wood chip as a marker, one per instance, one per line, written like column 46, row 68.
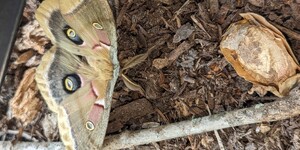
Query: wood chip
column 25, row 105
column 23, row 58
column 122, row 114
column 183, row 32
column 160, row 63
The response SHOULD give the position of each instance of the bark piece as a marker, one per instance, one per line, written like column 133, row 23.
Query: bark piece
column 160, row 63
column 24, row 57
column 122, row 114
column 25, row 105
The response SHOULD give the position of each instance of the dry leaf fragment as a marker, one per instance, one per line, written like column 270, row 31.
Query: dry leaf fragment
column 130, row 63
column 259, row 53
column 132, row 85
column 23, row 58
column 135, row 61
column 33, row 61
column 50, row 127
column 25, row 105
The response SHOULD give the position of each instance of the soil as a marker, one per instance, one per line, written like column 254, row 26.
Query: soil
column 198, row 74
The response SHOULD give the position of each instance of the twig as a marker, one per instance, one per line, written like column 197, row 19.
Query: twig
column 166, row 23
column 278, row 110
column 281, row 109
column 180, row 10
column 32, row 145
column 216, row 132
column 164, row 118
column 199, row 24
column 123, row 12
column 24, row 135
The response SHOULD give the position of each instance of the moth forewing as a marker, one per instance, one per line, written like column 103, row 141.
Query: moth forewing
column 83, row 18
column 43, row 15
column 79, row 28
column 41, row 78
column 78, row 108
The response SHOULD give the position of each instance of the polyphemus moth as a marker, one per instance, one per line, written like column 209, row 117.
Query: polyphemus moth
column 77, row 75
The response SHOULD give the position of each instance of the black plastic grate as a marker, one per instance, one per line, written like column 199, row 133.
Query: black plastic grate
column 10, row 13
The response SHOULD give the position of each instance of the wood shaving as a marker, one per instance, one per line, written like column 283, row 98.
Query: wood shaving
column 25, row 105
column 32, row 37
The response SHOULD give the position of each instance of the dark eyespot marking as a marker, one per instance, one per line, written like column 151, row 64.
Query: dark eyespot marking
column 72, row 35
column 71, row 83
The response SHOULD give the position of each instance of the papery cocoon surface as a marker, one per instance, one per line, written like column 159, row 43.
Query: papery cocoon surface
column 260, row 54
